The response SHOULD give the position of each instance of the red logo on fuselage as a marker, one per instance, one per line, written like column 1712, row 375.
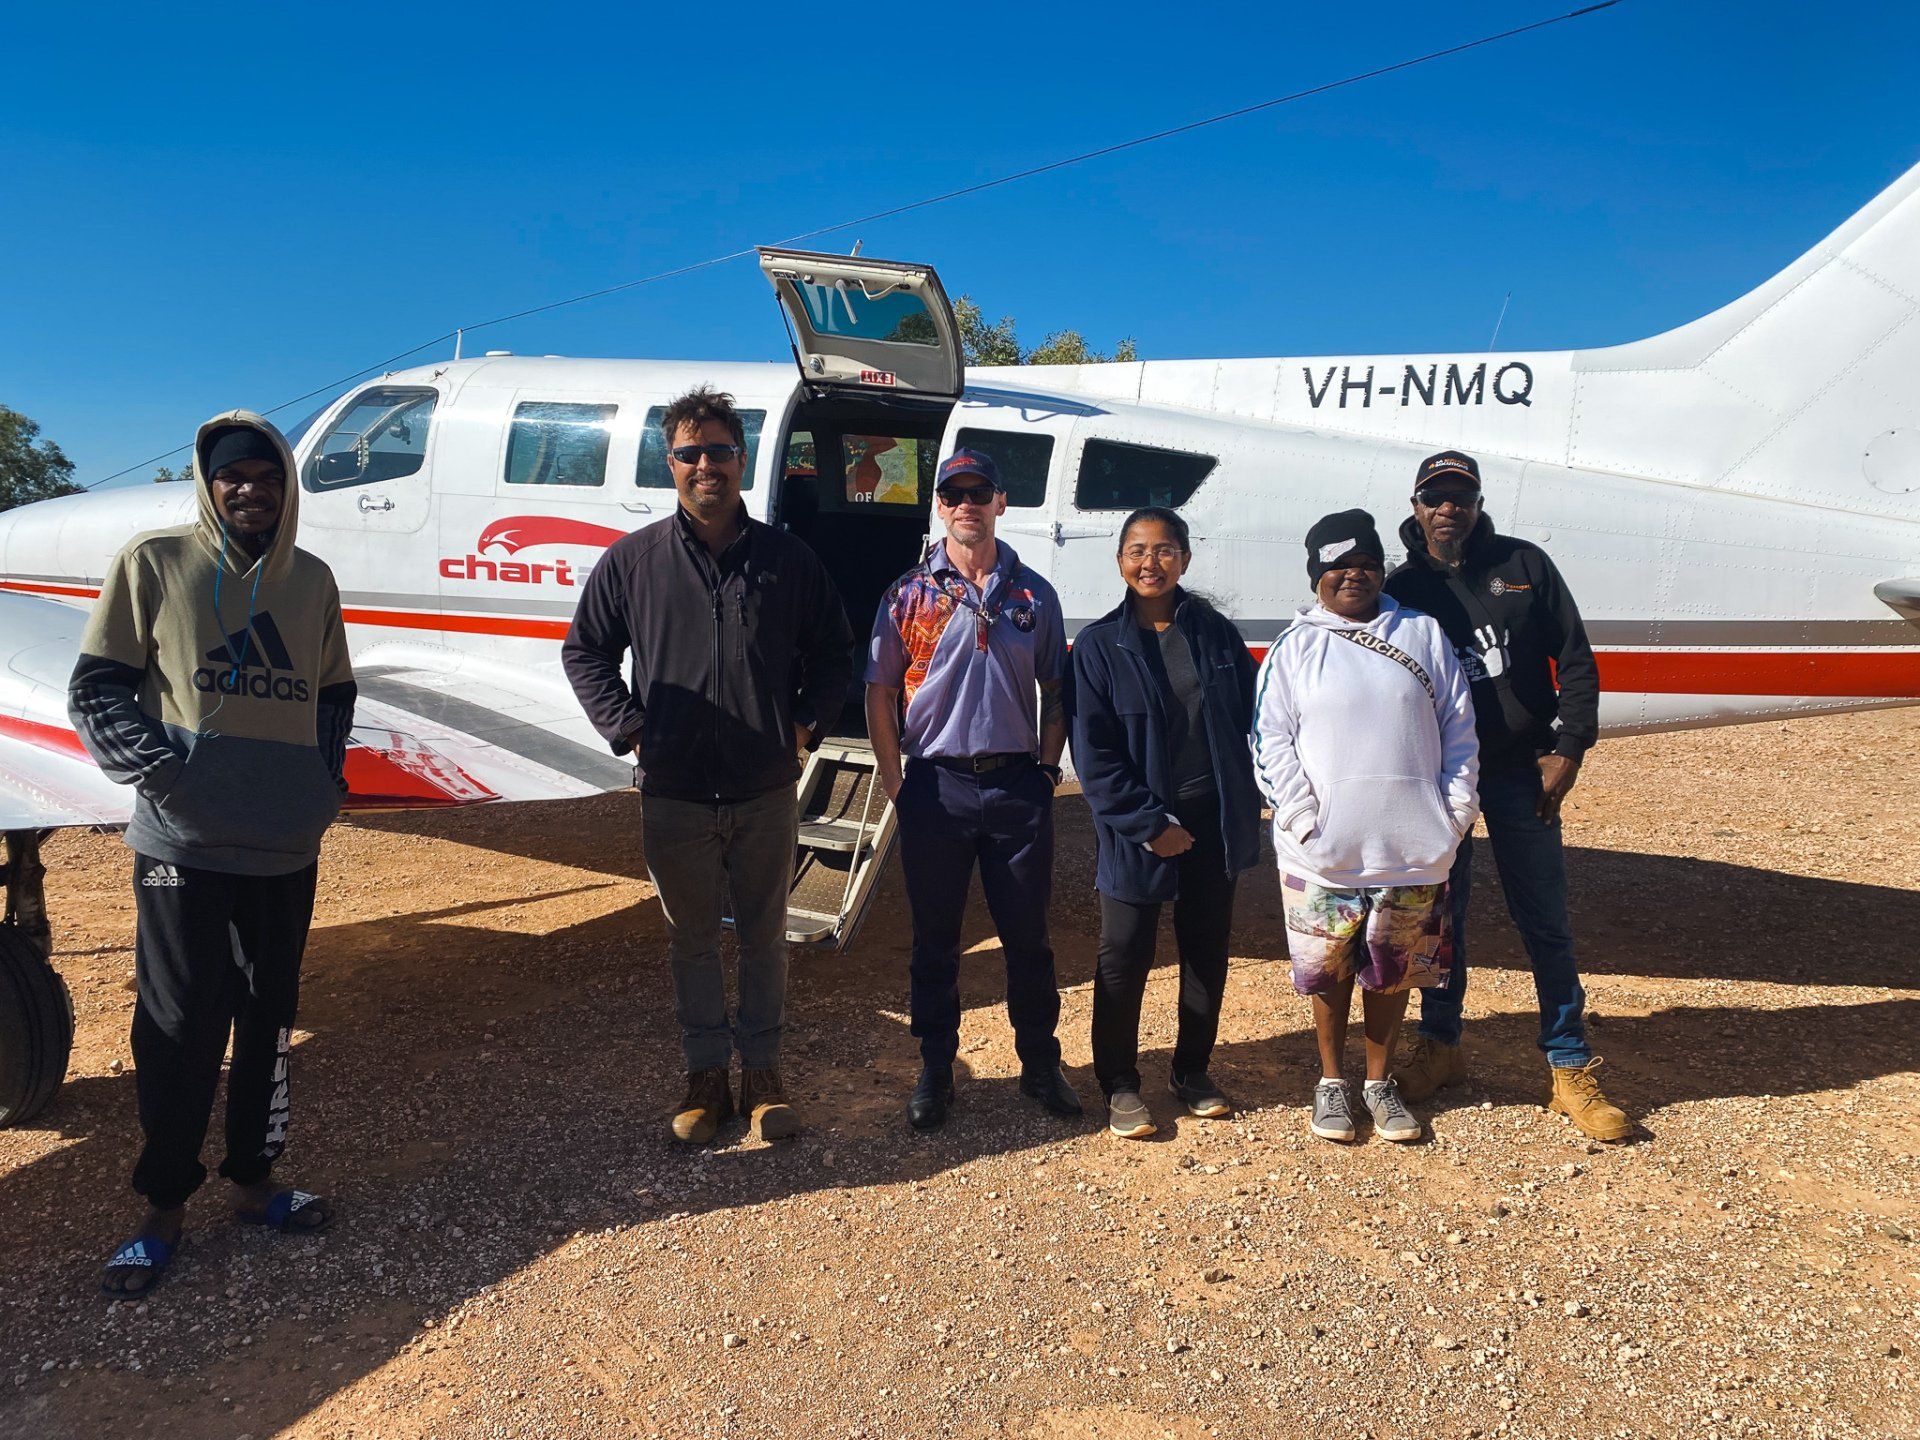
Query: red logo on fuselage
column 520, row 532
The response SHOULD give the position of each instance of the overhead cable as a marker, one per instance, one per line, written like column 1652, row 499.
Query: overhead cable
column 1237, row 114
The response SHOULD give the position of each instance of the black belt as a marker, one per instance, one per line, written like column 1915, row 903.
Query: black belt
column 978, row 764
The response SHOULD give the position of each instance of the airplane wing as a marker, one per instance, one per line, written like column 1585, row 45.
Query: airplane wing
column 425, row 734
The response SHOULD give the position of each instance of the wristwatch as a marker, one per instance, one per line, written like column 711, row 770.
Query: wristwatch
column 1052, row 772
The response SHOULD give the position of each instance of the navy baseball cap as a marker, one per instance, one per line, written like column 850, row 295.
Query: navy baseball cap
column 968, row 462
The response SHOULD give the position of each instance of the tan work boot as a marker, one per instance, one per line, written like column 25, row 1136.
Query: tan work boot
column 764, row 1102
column 1576, row 1094
column 1429, row 1065
column 709, row 1101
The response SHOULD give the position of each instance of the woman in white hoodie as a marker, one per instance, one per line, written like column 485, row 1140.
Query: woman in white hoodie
column 1364, row 745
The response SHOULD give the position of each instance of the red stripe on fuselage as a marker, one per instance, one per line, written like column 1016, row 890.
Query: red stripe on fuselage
column 1857, row 674
column 47, row 737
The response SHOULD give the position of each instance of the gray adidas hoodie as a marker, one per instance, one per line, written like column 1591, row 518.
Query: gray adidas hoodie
column 1372, row 780
column 219, row 687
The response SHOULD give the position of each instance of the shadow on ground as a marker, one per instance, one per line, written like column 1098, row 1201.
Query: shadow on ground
column 472, row 1097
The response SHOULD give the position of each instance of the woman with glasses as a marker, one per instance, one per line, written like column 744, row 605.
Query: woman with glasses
column 1163, row 703
column 1365, row 746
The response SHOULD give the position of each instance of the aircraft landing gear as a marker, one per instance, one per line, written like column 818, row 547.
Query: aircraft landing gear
column 36, row 1012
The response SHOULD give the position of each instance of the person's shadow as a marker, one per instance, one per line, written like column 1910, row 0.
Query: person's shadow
column 474, row 1093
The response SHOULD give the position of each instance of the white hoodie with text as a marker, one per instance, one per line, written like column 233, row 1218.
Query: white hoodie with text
column 1372, row 782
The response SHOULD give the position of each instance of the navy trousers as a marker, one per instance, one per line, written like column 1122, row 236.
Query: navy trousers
column 1003, row 821
column 1533, row 873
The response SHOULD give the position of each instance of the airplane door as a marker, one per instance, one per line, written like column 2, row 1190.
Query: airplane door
column 868, row 326
column 368, row 471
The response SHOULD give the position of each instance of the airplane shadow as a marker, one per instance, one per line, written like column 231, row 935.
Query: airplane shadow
column 473, row 1105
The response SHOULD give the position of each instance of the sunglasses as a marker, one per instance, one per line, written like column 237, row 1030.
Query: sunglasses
column 718, row 454
column 1433, row 498
column 954, row 496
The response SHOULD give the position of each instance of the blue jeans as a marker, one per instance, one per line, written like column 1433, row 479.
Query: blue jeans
column 1003, row 819
column 1533, row 873
column 699, row 855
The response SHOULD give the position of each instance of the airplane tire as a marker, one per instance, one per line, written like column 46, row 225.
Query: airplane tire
column 36, row 1028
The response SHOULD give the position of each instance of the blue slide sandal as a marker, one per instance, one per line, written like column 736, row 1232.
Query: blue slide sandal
column 291, row 1212
column 143, row 1252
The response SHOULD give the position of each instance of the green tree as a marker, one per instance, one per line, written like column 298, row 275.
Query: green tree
column 982, row 343
column 998, row 342
column 164, row 475
column 30, row 471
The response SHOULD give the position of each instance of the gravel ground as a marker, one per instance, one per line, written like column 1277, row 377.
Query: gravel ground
column 489, row 1050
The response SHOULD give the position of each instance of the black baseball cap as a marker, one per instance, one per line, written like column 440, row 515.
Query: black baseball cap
column 1448, row 463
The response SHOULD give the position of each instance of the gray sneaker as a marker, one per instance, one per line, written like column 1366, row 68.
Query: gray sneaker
column 1127, row 1115
column 1332, row 1111
column 1391, row 1118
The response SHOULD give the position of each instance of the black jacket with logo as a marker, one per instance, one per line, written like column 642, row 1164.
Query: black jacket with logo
column 727, row 656
column 1518, row 634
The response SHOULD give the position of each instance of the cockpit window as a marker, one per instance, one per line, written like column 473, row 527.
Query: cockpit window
column 381, row 435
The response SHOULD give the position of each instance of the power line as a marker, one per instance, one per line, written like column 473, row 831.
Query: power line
column 940, row 199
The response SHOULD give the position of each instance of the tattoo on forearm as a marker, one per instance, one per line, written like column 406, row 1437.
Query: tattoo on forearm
column 1053, row 708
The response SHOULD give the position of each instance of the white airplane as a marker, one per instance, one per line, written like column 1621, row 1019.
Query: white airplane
column 1735, row 503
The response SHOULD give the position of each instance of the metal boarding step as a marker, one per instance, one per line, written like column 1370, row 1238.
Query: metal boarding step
column 846, row 834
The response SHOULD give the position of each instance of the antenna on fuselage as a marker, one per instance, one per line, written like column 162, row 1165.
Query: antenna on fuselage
column 1499, row 322
column 457, row 334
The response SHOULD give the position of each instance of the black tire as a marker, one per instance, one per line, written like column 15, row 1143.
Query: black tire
column 36, row 1028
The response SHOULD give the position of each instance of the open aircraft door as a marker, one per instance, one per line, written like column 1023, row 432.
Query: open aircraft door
column 884, row 330
column 874, row 326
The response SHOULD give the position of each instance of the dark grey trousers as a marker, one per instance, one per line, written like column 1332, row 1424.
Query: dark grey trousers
column 698, row 852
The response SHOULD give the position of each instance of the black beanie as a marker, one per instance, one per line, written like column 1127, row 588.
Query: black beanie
column 1334, row 537
column 238, row 442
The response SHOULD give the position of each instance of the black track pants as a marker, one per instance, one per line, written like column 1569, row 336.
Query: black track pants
column 1202, row 922
column 214, row 953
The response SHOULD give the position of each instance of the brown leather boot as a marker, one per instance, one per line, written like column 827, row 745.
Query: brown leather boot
column 1429, row 1065
column 1576, row 1094
column 765, row 1103
column 709, row 1101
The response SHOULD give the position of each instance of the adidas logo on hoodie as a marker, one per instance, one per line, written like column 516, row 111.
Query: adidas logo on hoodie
column 245, row 665
column 164, row 875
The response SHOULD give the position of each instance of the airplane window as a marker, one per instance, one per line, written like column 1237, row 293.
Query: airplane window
column 845, row 310
column 555, row 442
column 1023, row 461
column 1117, row 476
column 653, row 474
column 381, row 435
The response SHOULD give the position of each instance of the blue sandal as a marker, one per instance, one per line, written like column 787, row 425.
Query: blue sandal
column 281, row 1210
column 143, row 1252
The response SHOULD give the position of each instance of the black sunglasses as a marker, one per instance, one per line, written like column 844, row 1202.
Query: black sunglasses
column 954, row 496
column 1433, row 497
column 718, row 454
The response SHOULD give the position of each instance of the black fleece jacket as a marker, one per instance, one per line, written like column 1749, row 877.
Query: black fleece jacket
column 727, row 657
column 1518, row 635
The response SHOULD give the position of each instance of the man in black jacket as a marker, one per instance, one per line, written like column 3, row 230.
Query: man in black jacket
column 1536, row 699
column 741, row 658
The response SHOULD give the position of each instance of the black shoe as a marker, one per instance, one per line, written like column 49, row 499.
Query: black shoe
column 927, row 1106
column 1051, row 1089
column 1201, row 1096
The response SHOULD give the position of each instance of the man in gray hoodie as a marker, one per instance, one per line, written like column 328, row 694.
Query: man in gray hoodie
column 214, row 679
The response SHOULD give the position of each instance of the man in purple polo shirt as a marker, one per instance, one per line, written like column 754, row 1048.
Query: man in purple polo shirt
column 959, row 645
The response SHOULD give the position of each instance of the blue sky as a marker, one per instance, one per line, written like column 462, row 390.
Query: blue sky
column 217, row 206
